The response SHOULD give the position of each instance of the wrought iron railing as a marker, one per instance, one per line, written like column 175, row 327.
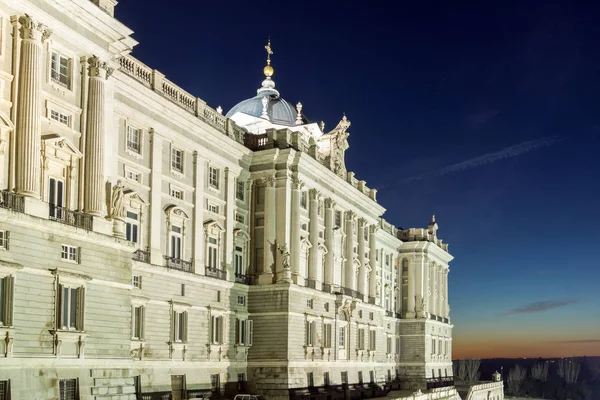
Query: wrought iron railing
column 241, row 278
column 141, row 256
column 216, row 273
column 353, row 293
column 12, row 201
column 70, row 217
column 178, row 264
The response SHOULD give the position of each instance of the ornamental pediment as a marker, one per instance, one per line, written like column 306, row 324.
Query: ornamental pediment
column 60, row 147
column 134, row 198
column 212, row 227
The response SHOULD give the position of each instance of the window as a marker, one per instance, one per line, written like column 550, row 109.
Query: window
column 371, row 316
column 69, row 253
column 372, row 339
column 218, row 296
column 360, row 313
column 342, row 339
column 56, row 195
column 338, row 219
column 4, row 240
column 303, row 200
column 243, row 329
column 239, row 190
column 133, row 175
column 239, row 218
column 59, row 117
column 60, row 70
column 67, row 389
column 182, row 292
column 178, row 194
column 241, row 300
column 213, row 177
column 372, row 376
column 238, row 260
column 311, row 333
column 360, row 378
column 71, row 302
column 6, row 300
column 213, row 257
column 213, row 208
column 177, row 160
column 215, row 383
column 241, row 379
column 344, row 377
column 389, row 345
column 4, row 390
column 398, row 345
column 133, row 139
column 138, row 319
column 389, row 375
column 260, row 221
column 327, row 335
column 309, row 303
column 432, row 346
column 132, row 227
column 309, row 380
column 176, row 242
column 326, row 381
column 360, row 344
column 179, row 328
column 446, row 347
column 137, row 281
column 216, row 336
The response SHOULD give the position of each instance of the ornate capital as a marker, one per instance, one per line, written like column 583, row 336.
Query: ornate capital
column 297, row 184
column 33, row 30
column 329, row 203
column 350, row 216
column 97, row 68
column 373, row 229
column 268, row 180
column 314, row 194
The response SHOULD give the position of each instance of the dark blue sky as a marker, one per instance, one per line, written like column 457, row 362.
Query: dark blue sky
column 429, row 85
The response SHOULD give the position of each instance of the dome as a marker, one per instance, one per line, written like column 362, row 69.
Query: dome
column 279, row 111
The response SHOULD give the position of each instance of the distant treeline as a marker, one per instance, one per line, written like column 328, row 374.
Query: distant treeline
column 576, row 378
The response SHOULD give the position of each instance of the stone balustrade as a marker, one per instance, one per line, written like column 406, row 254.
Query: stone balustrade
column 156, row 81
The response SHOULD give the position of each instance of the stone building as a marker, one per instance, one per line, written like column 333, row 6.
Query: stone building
column 150, row 244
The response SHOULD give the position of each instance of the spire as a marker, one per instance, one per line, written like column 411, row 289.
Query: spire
column 268, row 86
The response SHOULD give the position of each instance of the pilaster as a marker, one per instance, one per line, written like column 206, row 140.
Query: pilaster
column 440, row 290
column 313, row 234
column 373, row 261
column 282, row 233
column 411, row 312
column 362, row 272
column 295, row 250
column 94, row 200
column 198, row 240
column 431, row 288
column 328, row 273
column 229, row 221
column 420, row 293
column 269, row 245
column 350, row 278
column 28, row 124
column 156, row 212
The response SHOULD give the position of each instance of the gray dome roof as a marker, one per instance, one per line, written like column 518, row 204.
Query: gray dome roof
column 280, row 111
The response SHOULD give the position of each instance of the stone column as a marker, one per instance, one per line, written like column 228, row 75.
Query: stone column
column 410, row 313
column 199, row 248
column 431, row 288
column 94, row 199
column 350, row 278
column 328, row 275
column 362, row 272
column 156, row 211
column 295, row 249
column 446, row 302
column 28, row 125
column 313, row 235
column 269, row 245
column 282, row 230
column 372, row 261
column 440, row 305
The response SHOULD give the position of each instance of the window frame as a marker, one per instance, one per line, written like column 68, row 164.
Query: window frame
column 62, row 389
column 7, row 295
column 71, row 254
column 57, row 74
column 213, row 177
column 217, row 324
column 4, row 239
column 240, row 190
column 177, row 166
column 132, row 149
column 179, row 326
column 244, row 331
column 75, row 318
column 138, row 322
column 130, row 224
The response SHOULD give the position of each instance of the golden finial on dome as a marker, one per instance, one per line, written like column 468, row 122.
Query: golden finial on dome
column 268, row 70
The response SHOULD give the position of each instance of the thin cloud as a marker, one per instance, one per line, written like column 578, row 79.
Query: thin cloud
column 576, row 341
column 540, row 306
column 489, row 158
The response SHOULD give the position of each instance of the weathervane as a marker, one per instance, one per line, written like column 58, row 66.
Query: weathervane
column 269, row 51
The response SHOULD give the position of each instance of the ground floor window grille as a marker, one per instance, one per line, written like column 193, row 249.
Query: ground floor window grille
column 215, row 383
column 68, row 389
column 344, row 377
column 4, row 390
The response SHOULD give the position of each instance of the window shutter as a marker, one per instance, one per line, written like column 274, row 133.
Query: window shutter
column 79, row 255
column 238, row 339
column 249, row 330
column 59, row 302
column 313, row 333
column 8, row 299
column 184, row 315
column 133, row 321
column 173, row 325
column 221, row 330
column 307, row 333
column 80, row 308
column 142, row 322
column 6, row 240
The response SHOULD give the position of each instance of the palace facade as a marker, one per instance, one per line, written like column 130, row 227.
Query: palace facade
column 151, row 246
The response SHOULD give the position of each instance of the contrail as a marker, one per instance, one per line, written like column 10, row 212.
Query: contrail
column 489, row 158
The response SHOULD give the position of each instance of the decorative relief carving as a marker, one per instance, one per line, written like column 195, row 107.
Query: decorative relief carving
column 285, row 256
column 117, row 204
column 97, row 68
column 297, row 184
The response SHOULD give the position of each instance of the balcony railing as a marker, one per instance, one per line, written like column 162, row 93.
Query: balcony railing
column 12, row 201
column 178, row 264
column 216, row 273
column 141, row 256
column 439, row 382
column 70, row 217
column 241, row 278
column 353, row 293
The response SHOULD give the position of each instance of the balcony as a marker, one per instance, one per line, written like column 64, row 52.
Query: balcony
column 12, row 201
column 178, row 264
column 353, row 293
column 241, row 278
column 216, row 273
column 70, row 217
column 141, row 256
